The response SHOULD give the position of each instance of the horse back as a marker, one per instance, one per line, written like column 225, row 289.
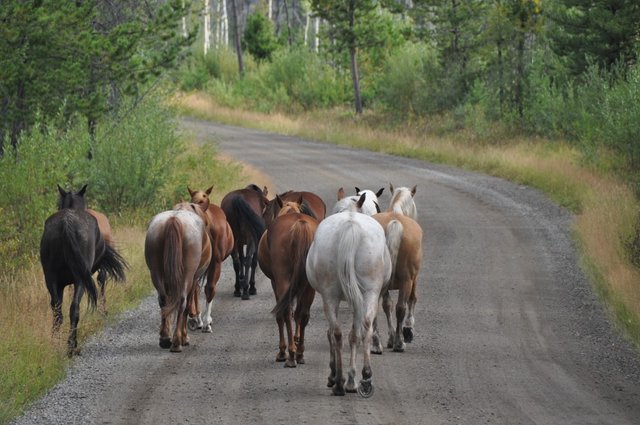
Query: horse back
column 103, row 225
column 220, row 232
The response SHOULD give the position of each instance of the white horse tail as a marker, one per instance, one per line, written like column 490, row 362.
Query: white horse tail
column 393, row 234
column 347, row 248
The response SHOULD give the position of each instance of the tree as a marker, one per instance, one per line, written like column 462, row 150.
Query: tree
column 61, row 58
column 259, row 38
column 603, row 32
column 352, row 25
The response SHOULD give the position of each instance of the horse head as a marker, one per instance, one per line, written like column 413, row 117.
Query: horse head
column 352, row 203
column 201, row 197
column 72, row 200
column 287, row 207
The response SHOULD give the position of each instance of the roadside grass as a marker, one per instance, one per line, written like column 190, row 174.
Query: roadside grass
column 32, row 359
column 605, row 207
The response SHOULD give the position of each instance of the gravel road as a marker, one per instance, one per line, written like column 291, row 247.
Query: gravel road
column 508, row 330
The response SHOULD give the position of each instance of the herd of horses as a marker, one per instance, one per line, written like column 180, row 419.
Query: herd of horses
column 357, row 254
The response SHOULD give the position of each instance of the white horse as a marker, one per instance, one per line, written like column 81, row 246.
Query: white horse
column 349, row 260
column 402, row 201
column 370, row 205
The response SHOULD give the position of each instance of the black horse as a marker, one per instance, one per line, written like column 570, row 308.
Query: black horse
column 71, row 250
column 244, row 208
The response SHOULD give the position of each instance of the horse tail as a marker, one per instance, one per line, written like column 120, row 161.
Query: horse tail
column 300, row 238
column 393, row 234
column 113, row 264
column 348, row 245
column 173, row 264
column 241, row 208
column 76, row 261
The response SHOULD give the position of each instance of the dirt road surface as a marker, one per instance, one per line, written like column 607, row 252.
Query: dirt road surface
column 508, row 330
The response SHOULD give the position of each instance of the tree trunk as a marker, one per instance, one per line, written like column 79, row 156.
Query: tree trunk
column 286, row 15
column 234, row 12
column 207, row 26
column 355, row 77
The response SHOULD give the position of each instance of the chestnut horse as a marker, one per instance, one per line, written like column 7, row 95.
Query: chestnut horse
column 311, row 204
column 244, row 208
column 404, row 240
column 71, row 250
column 177, row 251
column 349, row 260
column 282, row 254
column 221, row 237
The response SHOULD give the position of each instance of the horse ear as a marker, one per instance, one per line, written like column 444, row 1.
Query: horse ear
column 413, row 190
column 300, row 200
column 61, row 191
column 208, row 191
column 265, row 191
column 340, row 193
column 391, row 187
column 378, row 193
column 83, row 190
column 279, row 201
column 357, row 190
column 191, row 192
column 360, row 202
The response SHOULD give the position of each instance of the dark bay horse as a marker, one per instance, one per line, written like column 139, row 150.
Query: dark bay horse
column 221, row 237
column 177, row 251
column 244, row 208
column 404, row 241
column 310, row 204
column 282, row 256
column 72, row 248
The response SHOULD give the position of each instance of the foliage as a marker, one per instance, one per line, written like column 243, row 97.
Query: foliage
column 259, row 38
column 82, row 56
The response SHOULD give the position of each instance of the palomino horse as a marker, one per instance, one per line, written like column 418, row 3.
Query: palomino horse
column 221, row 237
column 402, row 201
column 404, row 240
column 244, row 208
column 71, row 250
column 311, row 204
column 177, row 251
column 349, row 260
column 282, row 255
column 369, row 207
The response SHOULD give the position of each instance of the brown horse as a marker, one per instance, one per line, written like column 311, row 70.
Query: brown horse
column 404, row 240
column 244, row 208
column 282, row 256
column 177, row 251
column 71, row 250
column 310, row 204
column 221, row 237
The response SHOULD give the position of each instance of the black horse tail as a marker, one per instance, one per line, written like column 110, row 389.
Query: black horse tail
column 301, row 236
column 173, row 265
column 76, row 261
column 242, row 210
column 113, row 265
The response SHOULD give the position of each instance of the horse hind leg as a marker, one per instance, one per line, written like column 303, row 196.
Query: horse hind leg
column 351, row 372
column 210, row 293
column 409, row 321
column 252, row 279
column 102, row 281
column 74, row 318
column 282, row 346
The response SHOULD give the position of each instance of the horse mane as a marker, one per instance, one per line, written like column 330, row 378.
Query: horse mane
column 402, row 202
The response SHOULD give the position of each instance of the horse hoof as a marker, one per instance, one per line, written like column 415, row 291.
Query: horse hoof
column 245, row 296
column 176, row 349
column 398, row 349
column 331, row 382
column 253, row 291
column 376, row 349
column 207, row 329
column 290, row 364
column 408, row 334
column 281, row 357
column 300, row 360
column 339, row 391
column 365, row 389
column 192, row 324
column 165, row 343
column 236, row 293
